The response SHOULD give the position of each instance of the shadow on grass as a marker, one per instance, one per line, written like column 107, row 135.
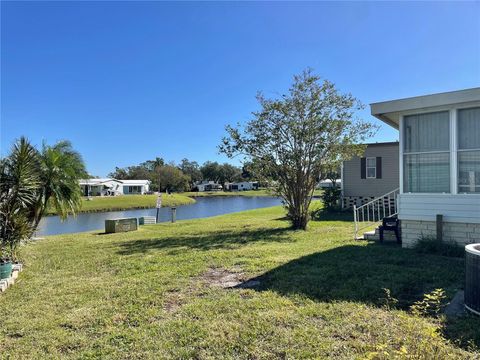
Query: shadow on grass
column 209, row 241
column 464, row 330
column 327, row 215
column 359, row 274
column 323, row 214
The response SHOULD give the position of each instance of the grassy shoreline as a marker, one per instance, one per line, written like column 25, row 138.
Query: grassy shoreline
column 158, row 293
column 128, row 202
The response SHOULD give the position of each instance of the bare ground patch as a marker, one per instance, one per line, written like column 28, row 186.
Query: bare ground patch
column 173, row 301
column 228, row 278
column 233, row 278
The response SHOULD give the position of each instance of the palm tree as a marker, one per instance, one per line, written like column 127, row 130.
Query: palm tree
column 60, row 169
column 19, row 186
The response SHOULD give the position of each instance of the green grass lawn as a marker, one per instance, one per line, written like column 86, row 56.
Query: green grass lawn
column 113, row 203
column 157, row 293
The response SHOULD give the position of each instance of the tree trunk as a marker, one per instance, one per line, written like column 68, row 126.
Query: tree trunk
column 300, row 222
column 39, row 212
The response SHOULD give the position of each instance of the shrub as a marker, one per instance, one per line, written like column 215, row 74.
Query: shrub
column 19, row 185
column 388, row 301
column 431, row 304
column 331, row 197
column 430, row 245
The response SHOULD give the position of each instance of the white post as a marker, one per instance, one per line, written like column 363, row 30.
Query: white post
column 453, row 152
column 383, row 206
column 355, row 220
column 401, row 138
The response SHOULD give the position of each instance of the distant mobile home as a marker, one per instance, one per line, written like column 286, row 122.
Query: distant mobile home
column 327, row 183
column 113, row 187
column 370, row 176
column 241, row 186
column 207, row 185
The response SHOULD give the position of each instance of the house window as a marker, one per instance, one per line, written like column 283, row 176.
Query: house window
column 468, row 156
column 135, row 190
column 426, row 163
column 371, row 164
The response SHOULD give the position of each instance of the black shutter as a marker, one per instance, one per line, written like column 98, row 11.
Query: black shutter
column 379, row 167
column 363, row 168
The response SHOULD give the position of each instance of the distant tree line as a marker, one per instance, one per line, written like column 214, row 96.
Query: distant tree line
column 183, row 176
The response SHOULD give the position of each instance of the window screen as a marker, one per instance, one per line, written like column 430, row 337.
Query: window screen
column 427, row 132
column 427, row 173
column 468, row 129
column 426, row 166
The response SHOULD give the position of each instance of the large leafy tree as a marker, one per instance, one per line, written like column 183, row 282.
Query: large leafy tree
column 19, row 186
column 211, row 170
column 221, row 173
column 152, row 165
column 172, row 178
column 61, row 167
column 192, row 169
column 293, row 138
column 229, row 173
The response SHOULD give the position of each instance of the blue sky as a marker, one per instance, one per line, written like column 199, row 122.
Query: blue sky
column 127, row 82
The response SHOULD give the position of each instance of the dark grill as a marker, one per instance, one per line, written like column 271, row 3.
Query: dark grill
column 472, row 278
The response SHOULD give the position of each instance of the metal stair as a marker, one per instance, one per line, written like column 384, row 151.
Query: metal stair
column 372, row 213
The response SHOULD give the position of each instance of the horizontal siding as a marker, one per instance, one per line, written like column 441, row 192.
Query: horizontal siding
column 425, row 207
column 354, row 185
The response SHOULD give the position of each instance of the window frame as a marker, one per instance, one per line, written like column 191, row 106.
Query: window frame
column 370, row 167
column 453, row 109
column 458, row 151
column 404, row 153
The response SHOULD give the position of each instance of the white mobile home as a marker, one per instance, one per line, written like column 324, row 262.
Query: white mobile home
column 325, row 184
column 131, row 187
column 113, row 187
column 208, row 186
column 439, row 163
column 241, row 186
column 100, row 187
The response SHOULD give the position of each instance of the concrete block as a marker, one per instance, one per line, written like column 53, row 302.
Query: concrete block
column 474, row 236
column 18, row 267
column 10, row 281
column 15, row 274
column 408, row 243
column 456, row 234
column 120, row 225
column 3, row 285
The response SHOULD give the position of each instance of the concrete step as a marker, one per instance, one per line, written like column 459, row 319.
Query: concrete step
column 374, row 235
column 370, row 235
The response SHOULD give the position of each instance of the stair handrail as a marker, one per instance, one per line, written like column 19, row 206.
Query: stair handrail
column 377, row 214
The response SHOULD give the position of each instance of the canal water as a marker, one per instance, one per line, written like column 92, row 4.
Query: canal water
column 204, row 207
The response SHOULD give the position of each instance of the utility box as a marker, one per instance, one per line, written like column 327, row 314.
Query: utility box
column 147, row 220
column 120, row 225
